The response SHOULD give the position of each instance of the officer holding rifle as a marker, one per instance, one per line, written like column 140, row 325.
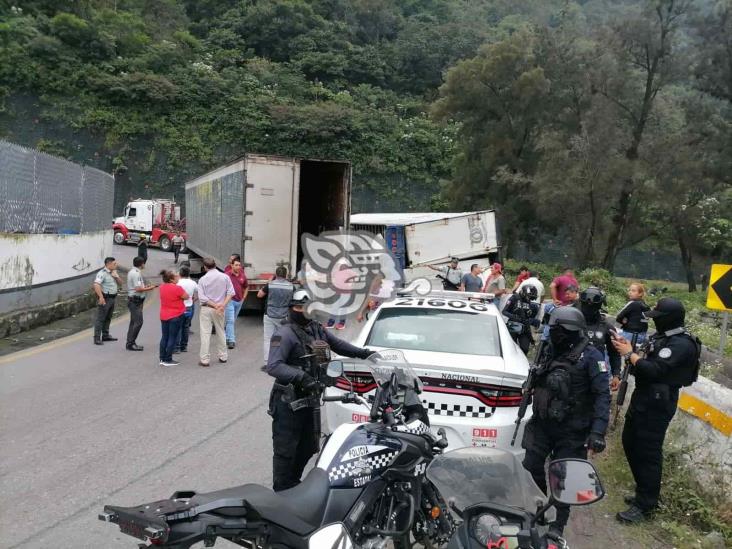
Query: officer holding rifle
column 571, row 402
column 298, row 350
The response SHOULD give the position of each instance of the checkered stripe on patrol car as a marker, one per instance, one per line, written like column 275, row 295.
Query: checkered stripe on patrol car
column 354, row 468
column 457, row 410
column 414, row 428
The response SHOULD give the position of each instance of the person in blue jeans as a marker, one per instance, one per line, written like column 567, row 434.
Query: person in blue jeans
column 172, row 311
column 632, row 316
column 191, row 288
column 241, row 289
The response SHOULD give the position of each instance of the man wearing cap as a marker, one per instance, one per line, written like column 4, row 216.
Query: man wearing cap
column 293, row 441
column 671, row 362
column 452, row 274
column 571, row 402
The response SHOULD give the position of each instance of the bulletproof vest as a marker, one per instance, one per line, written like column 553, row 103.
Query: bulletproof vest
column 597, row 334
column 563, row 388
column 306, row 339
column 523, row 309
column 279, row 294
column 686, row 374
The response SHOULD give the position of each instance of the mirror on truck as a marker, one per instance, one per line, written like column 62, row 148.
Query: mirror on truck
column 575, row 482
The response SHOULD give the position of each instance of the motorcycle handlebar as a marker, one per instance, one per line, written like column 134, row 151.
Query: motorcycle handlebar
column 348, row 398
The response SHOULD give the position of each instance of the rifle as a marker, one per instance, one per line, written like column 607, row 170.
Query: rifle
column 623, row 388
column 527, row 388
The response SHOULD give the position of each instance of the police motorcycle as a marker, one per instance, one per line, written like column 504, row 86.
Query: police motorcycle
column 368, row 489
column 498, row 502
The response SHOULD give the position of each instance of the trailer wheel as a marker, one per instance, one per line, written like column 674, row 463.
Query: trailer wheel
column 119, row 238
column 165, row 244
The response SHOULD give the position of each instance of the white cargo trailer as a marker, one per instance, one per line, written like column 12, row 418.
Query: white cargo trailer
column 259, row 205
column 420, row 239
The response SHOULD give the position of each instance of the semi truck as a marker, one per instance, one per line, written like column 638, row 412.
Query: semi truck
column 420, row 239
column 258, row 206
column 158, row 219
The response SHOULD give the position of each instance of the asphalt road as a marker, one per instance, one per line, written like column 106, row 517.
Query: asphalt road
column 82, row 426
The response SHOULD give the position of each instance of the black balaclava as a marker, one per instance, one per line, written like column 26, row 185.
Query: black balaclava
column 591, row 311
column 562, row 339
column 668, row 315
column 298, row 317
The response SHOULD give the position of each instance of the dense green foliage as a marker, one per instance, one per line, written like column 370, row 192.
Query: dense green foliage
column 160, row 90
column 618, row 112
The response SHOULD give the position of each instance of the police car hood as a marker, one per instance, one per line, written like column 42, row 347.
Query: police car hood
column 493, row 369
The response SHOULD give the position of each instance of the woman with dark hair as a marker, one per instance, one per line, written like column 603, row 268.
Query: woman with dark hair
column 172, row 312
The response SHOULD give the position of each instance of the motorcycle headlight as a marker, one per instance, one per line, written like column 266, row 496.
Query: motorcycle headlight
column 486, row 528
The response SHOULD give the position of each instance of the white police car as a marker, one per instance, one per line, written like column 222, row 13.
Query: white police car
column 459, row 346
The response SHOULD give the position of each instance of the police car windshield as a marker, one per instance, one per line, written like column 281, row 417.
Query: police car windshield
column 437, row 330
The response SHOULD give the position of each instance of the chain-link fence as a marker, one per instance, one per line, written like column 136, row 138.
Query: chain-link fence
column 40, row 193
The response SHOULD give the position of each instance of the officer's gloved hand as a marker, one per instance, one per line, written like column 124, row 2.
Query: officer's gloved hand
column 308, row 383
column 596, row 442
column 365, row 353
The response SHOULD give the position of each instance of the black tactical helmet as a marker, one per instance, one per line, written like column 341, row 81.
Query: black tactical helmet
column 592, row 296
column 299, row 297
column 569, row 318
column 529, row 292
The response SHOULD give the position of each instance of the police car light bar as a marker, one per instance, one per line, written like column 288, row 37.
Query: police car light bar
column 447, row 294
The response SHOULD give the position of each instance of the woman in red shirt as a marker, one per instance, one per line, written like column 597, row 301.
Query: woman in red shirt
column 172, row 311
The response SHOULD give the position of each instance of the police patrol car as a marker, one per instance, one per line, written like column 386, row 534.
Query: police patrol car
column 458, row 344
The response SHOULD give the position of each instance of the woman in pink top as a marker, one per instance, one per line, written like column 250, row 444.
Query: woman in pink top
column 172, row 311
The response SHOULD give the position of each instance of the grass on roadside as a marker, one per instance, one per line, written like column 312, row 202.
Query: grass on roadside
column 685, row 515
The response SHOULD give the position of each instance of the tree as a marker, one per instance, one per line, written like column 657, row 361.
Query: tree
column 689, row 206
column 497, row 100
column 713, row 34
column 642, row 44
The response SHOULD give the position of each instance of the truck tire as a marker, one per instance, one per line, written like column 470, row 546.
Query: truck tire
column 165, row 244
column 119, row 238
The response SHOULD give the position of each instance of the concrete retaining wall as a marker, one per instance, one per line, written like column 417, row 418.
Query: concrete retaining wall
column 43, row 269
column 703, row 426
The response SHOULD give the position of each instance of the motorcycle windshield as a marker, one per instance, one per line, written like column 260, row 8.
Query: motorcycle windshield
column 388, row 361
column 469, row 476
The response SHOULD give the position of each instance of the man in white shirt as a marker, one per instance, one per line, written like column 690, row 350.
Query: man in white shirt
column 191, row 288
column 215, row 290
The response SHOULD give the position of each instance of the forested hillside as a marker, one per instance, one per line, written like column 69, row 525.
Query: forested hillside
column 604, row 121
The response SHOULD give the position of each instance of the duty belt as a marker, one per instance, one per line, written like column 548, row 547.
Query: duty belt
column 109, row 296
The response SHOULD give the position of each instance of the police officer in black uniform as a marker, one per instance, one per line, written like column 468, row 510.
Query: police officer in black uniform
column 292, row 431
column 521, row 308
column 671, row 362
column 571, row 402
column 599, row 330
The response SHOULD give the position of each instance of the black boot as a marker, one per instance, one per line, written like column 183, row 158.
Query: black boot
column 633, row 515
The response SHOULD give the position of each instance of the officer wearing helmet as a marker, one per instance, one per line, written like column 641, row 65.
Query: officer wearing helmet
column 571, row 402
column 290, row 347
column 521, row 308
column 671, row 362
column 599, row 330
